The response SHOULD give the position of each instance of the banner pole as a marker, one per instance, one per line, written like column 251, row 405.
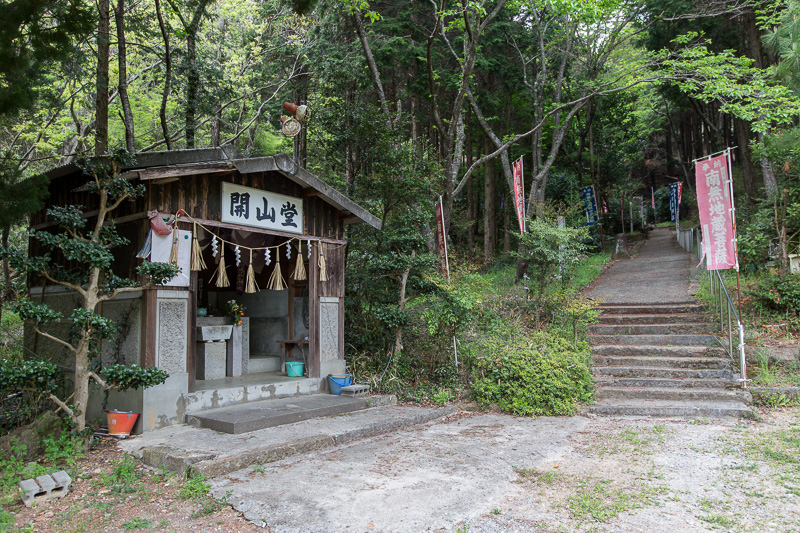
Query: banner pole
column 447, row 266
column 522, row 184
column 735, row 237
column 444, row 239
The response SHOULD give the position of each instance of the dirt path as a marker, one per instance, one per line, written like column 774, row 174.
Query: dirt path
column 663, row 475
column 492, row 473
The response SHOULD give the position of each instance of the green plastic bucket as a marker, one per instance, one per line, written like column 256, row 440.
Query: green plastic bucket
column 294, row 369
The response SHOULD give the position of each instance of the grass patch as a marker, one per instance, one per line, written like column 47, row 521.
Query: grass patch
column 600, row 500
column 195, row 488
column 719, row 520
column 536, row 476
column 137, row 524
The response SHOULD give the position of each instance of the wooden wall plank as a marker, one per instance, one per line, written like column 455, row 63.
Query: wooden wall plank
column 313, row 315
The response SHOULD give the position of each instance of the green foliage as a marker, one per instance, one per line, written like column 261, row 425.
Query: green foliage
column 137, row 524
column 551, row 253
column 36, row 34
column 731, row 80
column 195, row 488
column 443, row 396
column 59, row 453
column 124, row 474
column 126, row 377
column 447, row 311
column 755, row 229
column 89, row 255
column 537, row 375
column 67, row 448
column 775, row 399
column 781, row 293
column 11, row 467
column 25, row 375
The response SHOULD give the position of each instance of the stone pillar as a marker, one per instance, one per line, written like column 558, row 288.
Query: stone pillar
column 331, row 361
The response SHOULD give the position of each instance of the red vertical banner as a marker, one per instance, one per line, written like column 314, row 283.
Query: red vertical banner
column 653, row 198
column 714, row 202
column 441, row 240
column 519, row 194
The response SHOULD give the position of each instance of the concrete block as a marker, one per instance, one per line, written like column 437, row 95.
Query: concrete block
column 29, row 489
column 63, row 481
column 233, row 361
column 210, row 360
column 47, row 483
column 44, row 487
column 214, row 333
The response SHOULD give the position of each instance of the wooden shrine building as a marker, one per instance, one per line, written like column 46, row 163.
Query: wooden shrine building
column 255, row 220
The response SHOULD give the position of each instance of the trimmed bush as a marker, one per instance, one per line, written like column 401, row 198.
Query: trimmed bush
column 533, row 375
column 780, row 292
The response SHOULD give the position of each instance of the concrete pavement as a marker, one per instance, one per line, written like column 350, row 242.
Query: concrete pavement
column 658, row 274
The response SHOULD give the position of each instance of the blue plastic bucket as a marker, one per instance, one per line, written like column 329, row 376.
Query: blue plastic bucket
column 294, row 369
column 337, row 382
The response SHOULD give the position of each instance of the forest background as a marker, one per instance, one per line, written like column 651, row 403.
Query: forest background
column 412, row 100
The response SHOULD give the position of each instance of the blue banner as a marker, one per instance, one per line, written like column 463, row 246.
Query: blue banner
column 589, row 205
column 673, row 201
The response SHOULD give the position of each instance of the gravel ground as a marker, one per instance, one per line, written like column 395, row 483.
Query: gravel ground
column 490, row 473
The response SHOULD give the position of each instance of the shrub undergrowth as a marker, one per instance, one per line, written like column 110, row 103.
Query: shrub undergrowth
column 536, row 374
column 511, row 355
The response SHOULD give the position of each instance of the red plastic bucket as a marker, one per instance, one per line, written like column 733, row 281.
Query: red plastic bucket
column 120, row 422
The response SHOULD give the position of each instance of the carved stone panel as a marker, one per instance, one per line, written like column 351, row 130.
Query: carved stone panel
column 329, row 329
column 172, row 335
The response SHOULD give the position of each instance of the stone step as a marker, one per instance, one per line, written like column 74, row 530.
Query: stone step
column 661, row 372
column 687, row 328
column 677, row 382
column 674, row 318
column 270, row 413
column 185, row 449
column 671, row 393
column 666, row 408
column 662, row 362
column 654, row 340
column 651, row 309
column 657, row 350
column 264, row 363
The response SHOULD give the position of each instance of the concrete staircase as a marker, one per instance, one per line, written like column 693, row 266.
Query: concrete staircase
column 661, row 360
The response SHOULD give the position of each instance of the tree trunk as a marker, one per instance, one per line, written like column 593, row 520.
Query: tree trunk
column 101, row 99
column 472, row 216
column 215, row 126
column 488, row 206
column 162, row 114
column 743, row 136
column 7, row 290
column 192, row 88
column 507, row 223
column 401, row 305
column 192, row 75
column 122, row 61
